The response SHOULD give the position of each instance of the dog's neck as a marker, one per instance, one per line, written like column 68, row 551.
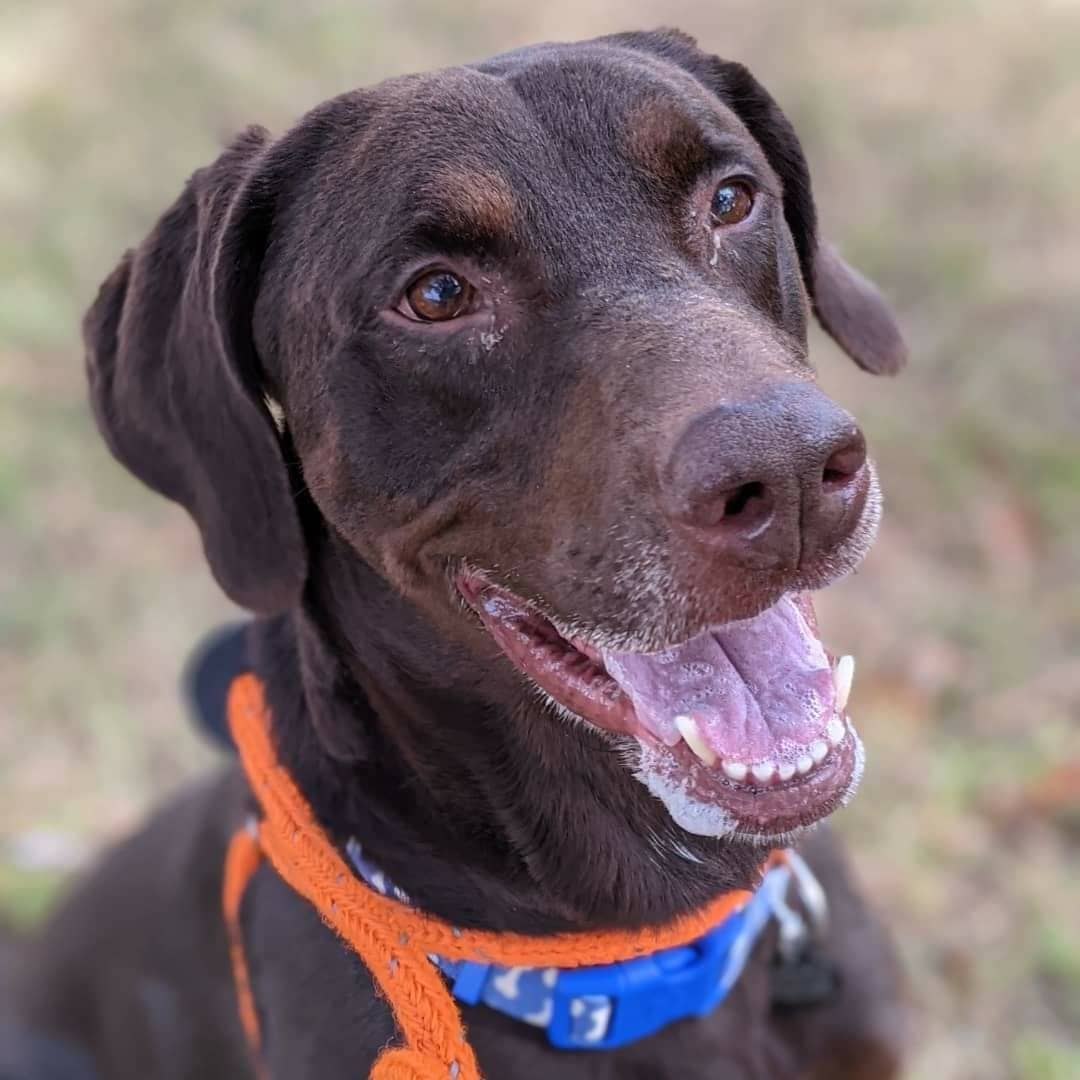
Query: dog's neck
column 490, row 813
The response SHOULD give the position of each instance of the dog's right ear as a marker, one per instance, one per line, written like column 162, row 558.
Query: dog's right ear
column 176, row 383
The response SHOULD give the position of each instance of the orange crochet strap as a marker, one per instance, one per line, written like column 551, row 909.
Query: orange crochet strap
column 242, row 859
column 394, row 940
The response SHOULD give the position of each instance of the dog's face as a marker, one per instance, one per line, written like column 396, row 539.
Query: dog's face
column 535, row 335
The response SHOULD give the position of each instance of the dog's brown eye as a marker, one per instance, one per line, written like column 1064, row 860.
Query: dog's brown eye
column 436, row 296
column 732, row 202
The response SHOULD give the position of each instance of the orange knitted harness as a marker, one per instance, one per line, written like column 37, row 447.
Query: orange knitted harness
column 392, row 940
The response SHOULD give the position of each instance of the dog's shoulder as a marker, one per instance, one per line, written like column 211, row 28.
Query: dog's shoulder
column 131, row 969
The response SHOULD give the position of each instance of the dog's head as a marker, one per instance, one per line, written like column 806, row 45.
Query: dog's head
column 529, row 339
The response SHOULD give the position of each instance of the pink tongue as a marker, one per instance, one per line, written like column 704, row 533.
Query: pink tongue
column 760, row 689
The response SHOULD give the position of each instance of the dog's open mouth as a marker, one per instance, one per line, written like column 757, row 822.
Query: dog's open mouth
column 740, row 731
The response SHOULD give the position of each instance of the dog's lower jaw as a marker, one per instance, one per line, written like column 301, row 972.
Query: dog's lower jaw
column 702, row 818
column 685, row 831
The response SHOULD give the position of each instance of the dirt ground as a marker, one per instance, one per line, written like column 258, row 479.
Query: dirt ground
column 945, row 143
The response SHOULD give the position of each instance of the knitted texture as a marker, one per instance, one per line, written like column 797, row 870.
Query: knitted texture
column 241, row 861
column 400, row 1064
column 394, row 940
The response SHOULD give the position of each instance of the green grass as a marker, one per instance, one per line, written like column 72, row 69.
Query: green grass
column 25, row 896
column 1037, row 1057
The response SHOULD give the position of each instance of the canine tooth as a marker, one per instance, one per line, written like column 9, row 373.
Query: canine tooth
column 692, row 736
column 763, row 771
column 786, row 771
column 835, row 731
column 804, row 764
column 819, row 750
column 735, row 770
column 843, row 676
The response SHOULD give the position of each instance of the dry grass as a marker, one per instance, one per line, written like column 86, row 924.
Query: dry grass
column 946, row 149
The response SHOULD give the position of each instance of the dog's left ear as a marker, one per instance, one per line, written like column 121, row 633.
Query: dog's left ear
column 848, row 305
column 177, row 386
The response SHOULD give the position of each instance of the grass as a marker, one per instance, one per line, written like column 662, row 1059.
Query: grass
column 1035, row 1057
column 26, row 895
column 946, row 158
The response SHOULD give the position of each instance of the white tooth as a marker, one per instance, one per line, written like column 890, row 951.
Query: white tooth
column 835, row 731
column 804, row 764
column 763, row 771
column 689, row 731
column 735, row 770
column 787, row 771
column 819, row 751
column 843, row 676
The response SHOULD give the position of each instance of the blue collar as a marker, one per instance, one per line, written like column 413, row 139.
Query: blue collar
column 609, row 1005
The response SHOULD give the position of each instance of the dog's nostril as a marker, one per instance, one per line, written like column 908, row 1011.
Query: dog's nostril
column 728, row 511
column 741, row 500
column 844, row 464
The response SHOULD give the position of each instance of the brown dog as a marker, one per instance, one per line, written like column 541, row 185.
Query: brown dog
column 489, row 391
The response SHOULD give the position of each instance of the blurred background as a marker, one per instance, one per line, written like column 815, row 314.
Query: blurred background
column 944, row 139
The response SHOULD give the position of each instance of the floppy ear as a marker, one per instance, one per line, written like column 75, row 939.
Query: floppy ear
column 175, row 381
column 848, row 306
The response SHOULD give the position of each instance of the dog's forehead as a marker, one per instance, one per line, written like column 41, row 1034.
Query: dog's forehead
column 481, row 135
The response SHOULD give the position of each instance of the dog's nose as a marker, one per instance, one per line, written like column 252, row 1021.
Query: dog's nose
column 769, row 483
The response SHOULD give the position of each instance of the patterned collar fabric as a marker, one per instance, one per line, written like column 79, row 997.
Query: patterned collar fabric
column 609, row 1005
